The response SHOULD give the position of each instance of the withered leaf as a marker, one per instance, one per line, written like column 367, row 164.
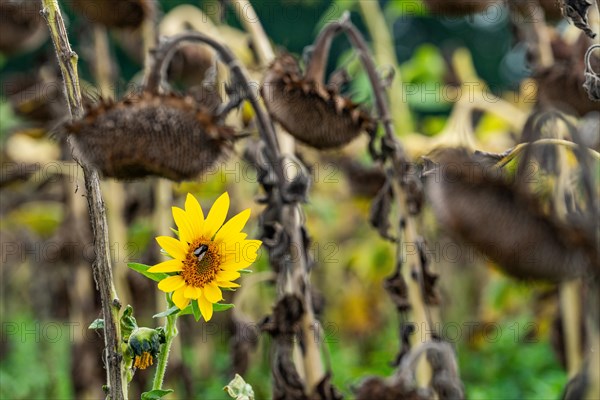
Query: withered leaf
column 577, row 10
column 380, row 211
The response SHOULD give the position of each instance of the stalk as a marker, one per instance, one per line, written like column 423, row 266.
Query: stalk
column 67, row 60
column 165, row 348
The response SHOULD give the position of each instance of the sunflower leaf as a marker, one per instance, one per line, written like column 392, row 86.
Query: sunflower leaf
column 166, row 313
column 156, row 394
column 143, row 269
column 245, row 271
column 188, row 310
column 222, row 306
column 196, row 310
column 97, row 324
column 175, row 231
column 128, row 322
column 229, row 289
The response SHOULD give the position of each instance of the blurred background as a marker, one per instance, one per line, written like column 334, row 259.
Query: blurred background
column 507, row 334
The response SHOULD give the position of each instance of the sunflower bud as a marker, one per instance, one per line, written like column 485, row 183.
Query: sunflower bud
column 144, row 344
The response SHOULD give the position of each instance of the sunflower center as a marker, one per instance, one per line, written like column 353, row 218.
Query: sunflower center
column 201, row 263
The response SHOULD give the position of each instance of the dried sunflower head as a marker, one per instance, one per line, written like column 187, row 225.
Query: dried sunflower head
column 562, row 84
column 172, row 136
column 22, row 27
column 456, row 8
column 118, row 14
column 477, row 203
column 312, row 113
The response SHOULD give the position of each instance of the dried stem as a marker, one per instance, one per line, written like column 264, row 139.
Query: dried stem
column 385, row 54
column 114, row 190
column 298, row 278
column 249, row 20
column 413, row 274
column 570, row 306
column 67, row 60
column 252, row 25
column 315, row 71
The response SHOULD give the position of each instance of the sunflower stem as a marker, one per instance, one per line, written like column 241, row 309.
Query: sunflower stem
column 102, row 268
column 165, row 348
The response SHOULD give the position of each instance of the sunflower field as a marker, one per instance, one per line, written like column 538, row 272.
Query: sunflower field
column 304, row 200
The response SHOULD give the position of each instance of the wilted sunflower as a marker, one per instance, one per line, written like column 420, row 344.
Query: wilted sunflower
column 207, row 256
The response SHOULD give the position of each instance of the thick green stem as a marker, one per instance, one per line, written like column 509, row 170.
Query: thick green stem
column 165, row 348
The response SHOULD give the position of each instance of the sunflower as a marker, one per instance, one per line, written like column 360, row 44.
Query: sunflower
column 207, row 256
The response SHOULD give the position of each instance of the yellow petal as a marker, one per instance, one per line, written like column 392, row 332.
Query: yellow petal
column 216, row 216
column 212, row 292
column 229, row 275
column 173, row 247
column 233, row 226
column 235, row 265
column 171, row 283
column 228, row 284
column 206, row 308
column 249, row 250
column 183, row 225
column 167, row 266
column 195, row 215
column 192, row 292
column 179, row 298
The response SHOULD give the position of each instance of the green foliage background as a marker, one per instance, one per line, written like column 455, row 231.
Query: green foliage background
column 36, row 357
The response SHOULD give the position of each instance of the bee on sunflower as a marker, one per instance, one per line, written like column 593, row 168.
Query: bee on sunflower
column 208, row 254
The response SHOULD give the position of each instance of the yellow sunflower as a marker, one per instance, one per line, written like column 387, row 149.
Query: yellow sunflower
column 207, row 256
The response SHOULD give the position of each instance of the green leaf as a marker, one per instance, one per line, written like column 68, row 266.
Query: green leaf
column 143, row 269
column 170, row 311
column 128, row 322
column 222, row 306
column 97, row 324
column 196, row 310
column 245, row 271
column 156, row 394
column 239, row 389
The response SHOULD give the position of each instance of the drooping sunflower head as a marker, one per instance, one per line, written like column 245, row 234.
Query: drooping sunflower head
column 207, row 256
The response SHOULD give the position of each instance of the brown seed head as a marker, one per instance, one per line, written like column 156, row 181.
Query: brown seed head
column 457, row 7
column 168, row 135
column 312, row 113
column 22, row 27
column 114, row 13
column 477, row 204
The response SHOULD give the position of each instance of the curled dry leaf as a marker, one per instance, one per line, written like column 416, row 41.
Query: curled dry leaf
column 576, row 11
column 381, row 208
column 476, row 203
column 592, row 78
